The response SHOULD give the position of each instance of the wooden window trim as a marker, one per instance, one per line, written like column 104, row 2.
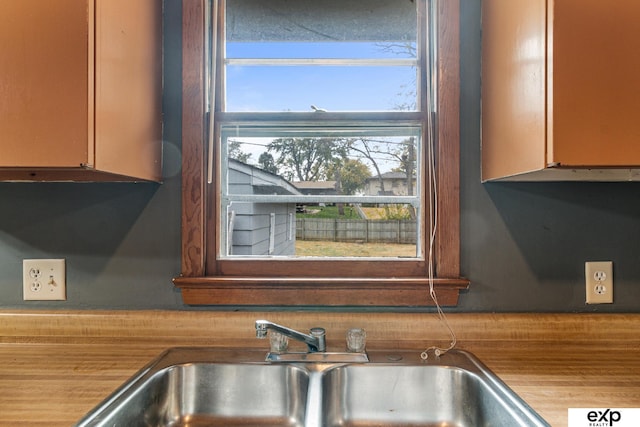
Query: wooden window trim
column 206, row 281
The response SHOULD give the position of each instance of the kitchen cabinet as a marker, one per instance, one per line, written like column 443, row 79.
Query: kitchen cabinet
column 560, row 90
column 80, row 90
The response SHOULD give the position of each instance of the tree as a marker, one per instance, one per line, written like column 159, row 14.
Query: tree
column 370, row 150
column 235, row 151
column 407, row 95
column 406, row 155
column 306, row 159
column 352, row 175
column 267, row 163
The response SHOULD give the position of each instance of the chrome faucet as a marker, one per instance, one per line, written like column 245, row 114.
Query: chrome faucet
column 315, row 340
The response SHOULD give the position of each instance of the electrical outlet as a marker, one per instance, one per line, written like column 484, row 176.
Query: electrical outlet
column 599, row 282
column 43, row 279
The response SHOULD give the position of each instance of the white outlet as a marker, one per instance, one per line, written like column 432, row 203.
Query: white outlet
column 599, row 282
column 44, row 279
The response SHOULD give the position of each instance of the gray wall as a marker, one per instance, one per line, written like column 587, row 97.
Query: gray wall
column 121, row 240
column 523, row 245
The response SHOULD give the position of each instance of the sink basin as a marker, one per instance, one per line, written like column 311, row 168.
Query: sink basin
column 217, row 387
column 418, row 396
column 205, row 393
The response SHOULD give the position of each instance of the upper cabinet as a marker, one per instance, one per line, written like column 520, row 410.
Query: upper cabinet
column 80, row 90
column 560, row 90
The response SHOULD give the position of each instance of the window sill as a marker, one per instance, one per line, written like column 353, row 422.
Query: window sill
column 295, row 291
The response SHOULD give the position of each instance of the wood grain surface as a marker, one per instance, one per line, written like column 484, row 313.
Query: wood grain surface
column 57, row 365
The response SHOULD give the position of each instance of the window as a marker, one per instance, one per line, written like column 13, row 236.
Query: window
column 360, row 62
column 326, row 75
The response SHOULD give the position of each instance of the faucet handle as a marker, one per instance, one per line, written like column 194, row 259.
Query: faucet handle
column 317, row 332
column 261, row 329
column 356, row 340
column 278, row 342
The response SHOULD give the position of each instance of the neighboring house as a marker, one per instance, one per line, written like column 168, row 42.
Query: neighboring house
column 316, row 188
column 395, row 184
column 260, row 228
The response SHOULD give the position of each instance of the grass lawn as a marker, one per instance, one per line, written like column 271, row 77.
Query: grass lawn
column 344, row 249
column 329, row 212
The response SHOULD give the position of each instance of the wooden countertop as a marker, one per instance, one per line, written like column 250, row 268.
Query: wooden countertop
column 55, row 366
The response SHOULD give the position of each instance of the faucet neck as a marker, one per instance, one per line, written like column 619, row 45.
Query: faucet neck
column 315, row 340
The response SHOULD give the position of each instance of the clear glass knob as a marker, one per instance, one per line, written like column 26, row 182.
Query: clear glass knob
column 278, row 342
column 356, row 340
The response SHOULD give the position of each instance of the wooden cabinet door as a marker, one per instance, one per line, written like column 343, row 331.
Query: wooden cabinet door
column 595, row 82
column 128, row 87
column 560, row 91
column 44, row 106
column 514, row 60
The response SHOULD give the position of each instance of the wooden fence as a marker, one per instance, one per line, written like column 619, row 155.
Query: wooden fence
column 356, row 230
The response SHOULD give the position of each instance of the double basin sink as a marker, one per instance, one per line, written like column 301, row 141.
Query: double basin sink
column 225, row 387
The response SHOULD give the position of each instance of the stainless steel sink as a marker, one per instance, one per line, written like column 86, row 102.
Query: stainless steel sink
column 214, row 387
column 190, row 388
column 459, row 393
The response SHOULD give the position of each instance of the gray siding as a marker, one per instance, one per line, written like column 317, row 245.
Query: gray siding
column 252, row 224
column 252, row 229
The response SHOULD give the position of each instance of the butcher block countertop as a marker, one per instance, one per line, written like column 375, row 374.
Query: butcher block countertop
column 55, row 366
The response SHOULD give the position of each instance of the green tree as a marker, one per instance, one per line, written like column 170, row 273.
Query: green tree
column 235, row 151
column 351, row 174
column 406, row 156
column 267, row 163
column 369, row 150
column 306, row 159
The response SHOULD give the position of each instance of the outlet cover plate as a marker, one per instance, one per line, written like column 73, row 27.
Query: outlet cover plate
column 44, row 280
column 599, row 282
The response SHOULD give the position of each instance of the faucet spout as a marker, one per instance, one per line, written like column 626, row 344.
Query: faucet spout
column 315, row 340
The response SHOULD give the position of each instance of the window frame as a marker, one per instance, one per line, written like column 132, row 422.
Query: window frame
column 206, row 280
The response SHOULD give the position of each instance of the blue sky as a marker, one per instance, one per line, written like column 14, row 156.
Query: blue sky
column 296, row 88
column 278, row 88
column 282, row 88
